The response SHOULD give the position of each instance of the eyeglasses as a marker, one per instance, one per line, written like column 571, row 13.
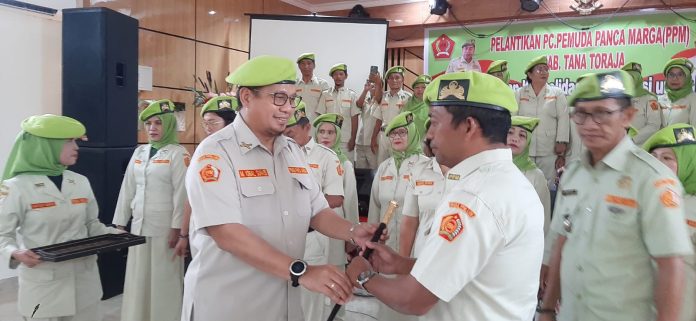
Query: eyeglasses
column 280, row 98
column 675, row 75
column 598, row 117
column 398, row 133
column 541, row 70
column 211, row 123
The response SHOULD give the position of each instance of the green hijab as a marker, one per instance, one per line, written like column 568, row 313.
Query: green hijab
column 417, row 106
column 164, row 110
column 405, row 119
column 523, row 161
column 337, row 121
column 37, row 148
column 679, row 137
column 686, row 66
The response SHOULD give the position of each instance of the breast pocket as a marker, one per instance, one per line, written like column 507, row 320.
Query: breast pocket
column 345, row 104
column 304, row 185
column 330, row 104
column 258, row 203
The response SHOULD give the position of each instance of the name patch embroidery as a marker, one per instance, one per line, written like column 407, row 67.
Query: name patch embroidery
column 81, row 200
column 247, row 173
column 37, row 206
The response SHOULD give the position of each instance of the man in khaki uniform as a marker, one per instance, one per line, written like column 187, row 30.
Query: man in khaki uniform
column 619, row 216
column 466, row 62
column 648, row 118
column 341, row 100
column 392, row 104
column 540, row 100
column 368, row 102
column 253, row 200
column 309, row 86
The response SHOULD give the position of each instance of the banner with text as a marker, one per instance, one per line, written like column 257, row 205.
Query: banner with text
column 649, row 39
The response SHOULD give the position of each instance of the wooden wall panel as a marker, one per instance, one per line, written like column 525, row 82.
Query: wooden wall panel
column 182, row 96
column 219, row 61
column 413, row 59
column 170, row 16
column 228, row 27
column 171, row 59
column 280, row 7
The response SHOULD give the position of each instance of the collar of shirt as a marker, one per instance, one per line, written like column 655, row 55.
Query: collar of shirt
column 338, row 91
column 401, row 94
column 435, row 166
column 471, row 164
column 542, row 93
column 616, row 158
column 314, row 81
column 310, row 145
column 247, row 139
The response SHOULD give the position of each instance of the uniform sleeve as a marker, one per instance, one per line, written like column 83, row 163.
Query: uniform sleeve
column 662, row 218
column 518, row 93
column 410, row 201
column 180, row 160
column 123, row 211
column 333, row 176
column 653, row 118
column 11, row 216
column 350, row 201
column 321, row 106
column 563, row 118
column 542, row 189
column 212, row 188
column 94, row 226
column 354, row 110
column 549, row 241
column 460, row 238
column 375, row 208
column 377, row 112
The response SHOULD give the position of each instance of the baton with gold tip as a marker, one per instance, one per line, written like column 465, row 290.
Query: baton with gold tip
column 375, row 238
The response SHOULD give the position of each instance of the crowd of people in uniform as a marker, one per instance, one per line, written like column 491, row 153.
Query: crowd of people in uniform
column 268, row 202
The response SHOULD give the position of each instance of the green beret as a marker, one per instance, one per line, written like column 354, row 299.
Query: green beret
column 394, row 70
column 53, row 126
column 671, row 136
column 469, row 42
column 333, row 118
column 541, row 60
column 264, row 71
column 300, row 112
column 470, row 89
column 157, row 107
column 401, row 120
column 528, row 123
column 497, row 66
column 308, row 55
column 682, row 63
column 220, row 103
column 336, row 67
column 631, row 131
column 422, row 79
column 613, row 84
column 633, row 66
column 584, row 76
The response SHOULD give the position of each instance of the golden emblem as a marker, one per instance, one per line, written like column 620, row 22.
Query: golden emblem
column 300, row 113
column 245, row 145
column 684, row 135
column 452, row 89
column 611, row 84
column 164, row 106
column 409, row 119
column 624, row 182
column 225, row 104
column 339, row 121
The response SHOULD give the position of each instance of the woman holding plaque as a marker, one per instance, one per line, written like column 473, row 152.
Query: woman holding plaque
column 154, row 195
column 47, row 204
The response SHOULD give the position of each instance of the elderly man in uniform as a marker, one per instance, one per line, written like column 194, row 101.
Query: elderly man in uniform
column 619, row 218
column 253, row 199
column 466, row 62
column 341, row 100
column 481, row 262
column 309, row 86
column 392, row 104
column 648, row 118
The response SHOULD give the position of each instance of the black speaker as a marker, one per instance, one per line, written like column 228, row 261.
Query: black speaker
column 105, row 168
column 100, row 74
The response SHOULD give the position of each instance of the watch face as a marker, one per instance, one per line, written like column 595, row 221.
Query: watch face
column 298, row 267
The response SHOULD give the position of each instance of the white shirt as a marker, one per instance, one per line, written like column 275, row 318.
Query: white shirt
column 483, row 264
column 459, row 64
column 311, row 93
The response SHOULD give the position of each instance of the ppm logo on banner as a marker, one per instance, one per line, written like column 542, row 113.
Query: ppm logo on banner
column 442, row 47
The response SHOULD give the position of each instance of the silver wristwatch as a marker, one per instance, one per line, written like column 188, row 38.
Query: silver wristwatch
column 365, row 276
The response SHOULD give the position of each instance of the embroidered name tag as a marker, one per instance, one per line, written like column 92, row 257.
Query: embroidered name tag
column 453, row 177
column 137, row 161
column 160, row 161
column 314, row 165
column 691, row 223
column 629, row 202
column 315, row 90
column 462, row 207
column 208, row 156
column 425, row 183
column 37, row 206
column 246, row 173
column 386, row 178
column 406, row 177
column 76, row 201
column 666, row 181
column 297, row 170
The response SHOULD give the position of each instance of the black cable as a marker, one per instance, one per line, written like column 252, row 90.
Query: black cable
column 585, row 28
column 479, row 35
column 677, row 13
column 412, row 32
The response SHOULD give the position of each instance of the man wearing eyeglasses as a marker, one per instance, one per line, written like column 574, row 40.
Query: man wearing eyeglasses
column 253, row 199
column 343, row 101
column 619, row 219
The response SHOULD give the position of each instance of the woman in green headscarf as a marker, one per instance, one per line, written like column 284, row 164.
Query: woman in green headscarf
column 154, row 196
column 675, row 146
column 417, row 106
column 679, row 101
column 390, row 182
column 47, row 204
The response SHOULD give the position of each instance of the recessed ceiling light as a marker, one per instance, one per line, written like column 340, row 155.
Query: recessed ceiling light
column 212, row 12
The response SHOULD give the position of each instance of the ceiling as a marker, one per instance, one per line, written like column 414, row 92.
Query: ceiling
column 332, row 5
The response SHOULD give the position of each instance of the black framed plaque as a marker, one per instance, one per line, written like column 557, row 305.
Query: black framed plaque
column 87, row 246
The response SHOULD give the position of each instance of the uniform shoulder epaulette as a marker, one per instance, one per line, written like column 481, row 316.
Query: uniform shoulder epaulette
column 326, row 149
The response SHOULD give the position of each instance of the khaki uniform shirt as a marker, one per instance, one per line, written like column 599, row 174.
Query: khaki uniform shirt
column 551, row 108
column 459, row 64
column 648, row 117
column 424, row 193
column 32, row 206
column 483, row 256
column 341, row 102
column 624, row 211
column 688, row 312
column 366, row 125
column 680, row 111
column 311, row 93
column 391, row 106
column 541, row 186
column 153, row 191
column 234, row 179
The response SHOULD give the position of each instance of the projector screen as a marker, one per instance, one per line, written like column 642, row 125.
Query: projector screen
column 359, row 43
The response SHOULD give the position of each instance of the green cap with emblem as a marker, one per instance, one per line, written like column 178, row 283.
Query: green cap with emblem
column 337, row 67
column 681, row 138
column 337, row 121
column 264, row 71
column 157, row 107
column 307, row 55
column 220, row 103
column 499, row 66
column 682, row 63
column 633, row 66
column 528, row 123
column 53, row 126
column 598, row 86
column 422, row 79
column 413, row 144
column 300, row 112
column 394, row 70
column 471, row 89
column 333, row 118
column 541, row 60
